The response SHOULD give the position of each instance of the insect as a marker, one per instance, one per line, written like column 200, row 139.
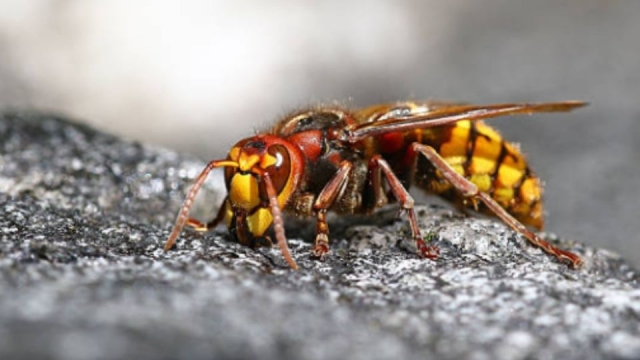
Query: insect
column 355, row 161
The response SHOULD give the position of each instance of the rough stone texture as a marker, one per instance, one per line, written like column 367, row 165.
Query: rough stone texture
column 83, row 217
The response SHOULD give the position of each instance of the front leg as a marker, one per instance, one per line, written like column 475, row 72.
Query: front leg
column 197, row 225
column 323, row 202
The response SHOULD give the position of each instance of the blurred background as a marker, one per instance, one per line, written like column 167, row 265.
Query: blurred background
column 197, row 76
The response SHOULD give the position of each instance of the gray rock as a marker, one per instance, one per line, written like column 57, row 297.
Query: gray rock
column 83, row 217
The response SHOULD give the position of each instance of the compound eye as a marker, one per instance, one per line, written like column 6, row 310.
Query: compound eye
column 279, row 166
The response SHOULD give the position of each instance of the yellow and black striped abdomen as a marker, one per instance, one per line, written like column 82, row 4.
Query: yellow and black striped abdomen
column 480, row 154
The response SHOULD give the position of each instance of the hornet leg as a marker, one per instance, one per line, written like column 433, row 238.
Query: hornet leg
column 325, row 199
column 405, row 200
column 197, row 225
column 469, row 189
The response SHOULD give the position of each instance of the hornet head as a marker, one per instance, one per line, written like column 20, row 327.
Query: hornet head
column 261, row 174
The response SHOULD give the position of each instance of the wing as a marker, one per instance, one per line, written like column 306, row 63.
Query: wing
column 400, row 109
column 380, row 119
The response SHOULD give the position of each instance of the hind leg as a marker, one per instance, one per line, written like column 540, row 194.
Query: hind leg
column 470, row 190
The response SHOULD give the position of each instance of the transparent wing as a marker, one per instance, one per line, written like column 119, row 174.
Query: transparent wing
column 380, row 119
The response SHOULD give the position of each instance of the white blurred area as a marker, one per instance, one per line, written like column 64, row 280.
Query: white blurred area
column 198, row 75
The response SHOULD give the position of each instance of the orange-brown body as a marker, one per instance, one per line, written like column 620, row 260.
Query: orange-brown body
column 355, row 161
column 474, row 149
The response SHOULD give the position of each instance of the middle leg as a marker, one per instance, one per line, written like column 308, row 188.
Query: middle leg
column 376, row 165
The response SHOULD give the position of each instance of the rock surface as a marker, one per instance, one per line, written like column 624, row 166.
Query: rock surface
column 83, row 217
